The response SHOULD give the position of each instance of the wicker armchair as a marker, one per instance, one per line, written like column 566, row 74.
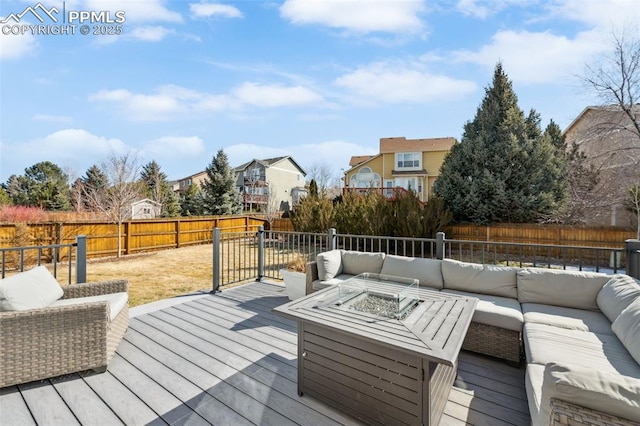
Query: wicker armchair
column 41, row 343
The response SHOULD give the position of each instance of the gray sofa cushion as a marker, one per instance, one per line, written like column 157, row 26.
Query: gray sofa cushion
column 32, row 289
column 617, row 294
column 354, row 262
column 116, row 301
column 533, row 385
column 476, row 278
column 329, row 264
column 627, row 328
column 573, row 319
column 603, row 352
column 426, row 271
column 320, row 284
column 497, row 311
column 572, row 289
column 588, row 387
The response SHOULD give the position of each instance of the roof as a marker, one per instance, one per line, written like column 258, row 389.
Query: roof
column 146, row 200
column 595, row 108
column 268, row 162
column 402, row 144
column 357, row 159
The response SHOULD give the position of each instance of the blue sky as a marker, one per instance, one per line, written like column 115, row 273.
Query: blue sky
column 320, row 80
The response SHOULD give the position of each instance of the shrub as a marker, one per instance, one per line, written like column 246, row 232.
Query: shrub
column 22, row 214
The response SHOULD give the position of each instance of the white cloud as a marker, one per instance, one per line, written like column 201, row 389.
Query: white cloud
column 207, row 10
column 52, row 118
column 151, row 33
column 361, row 16
column 537, row 57
column 397, row 83
column 17, row 46
column 599, row 13
column 168, row 101
column 135, row 11
column 484, row 8
column 275, row 95
column 77, row 149
column 175, row 146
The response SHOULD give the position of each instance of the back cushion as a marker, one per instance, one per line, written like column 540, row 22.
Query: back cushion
column 573, row 289
column 426, row 271
column 627, row 328
column 476, row 278
column 32, row 289
column 617, row 293
column 329, row 264
column 355, row 262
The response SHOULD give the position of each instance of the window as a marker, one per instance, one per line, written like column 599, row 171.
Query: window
column 365, row 178
column 408, row 160
column 255, row 174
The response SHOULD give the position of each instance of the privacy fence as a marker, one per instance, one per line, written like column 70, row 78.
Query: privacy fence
column 137, row 236
column 248, row 256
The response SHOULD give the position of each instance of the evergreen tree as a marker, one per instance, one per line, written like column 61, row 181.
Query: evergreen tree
column 5, row 200
column 191, row 202
column 43, row 185
column 218, row 188
column 313, row 188
column 94, row 181
column 505, row 169
column 157, row 189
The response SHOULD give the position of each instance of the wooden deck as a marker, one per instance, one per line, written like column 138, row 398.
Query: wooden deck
column 228, row 360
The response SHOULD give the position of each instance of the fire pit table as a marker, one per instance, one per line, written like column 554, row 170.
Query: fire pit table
column 380, row 348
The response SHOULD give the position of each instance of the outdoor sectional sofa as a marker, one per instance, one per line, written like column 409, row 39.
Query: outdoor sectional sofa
column 47, row 330
column 579, row 332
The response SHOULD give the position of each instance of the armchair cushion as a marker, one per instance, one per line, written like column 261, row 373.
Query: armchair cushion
column 587, row 387
column 32, row 289
column 616, row 294
column 627, row 328
column 116, row 302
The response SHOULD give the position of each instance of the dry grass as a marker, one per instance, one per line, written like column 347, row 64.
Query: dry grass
column 158, row 275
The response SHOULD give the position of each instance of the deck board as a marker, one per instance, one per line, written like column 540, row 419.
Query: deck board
column 226, row 359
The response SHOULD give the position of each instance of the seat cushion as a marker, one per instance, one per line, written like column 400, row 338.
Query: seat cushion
column 116, row 301
column 32, row 289
column 497, row 311
column 329, row 264
column 616, row 294
column 477, row 278
column 573, row 319
column 627, row 328
column 355, row 262
column 319, row 284
column 545, row 344
column 426, row 271
column 533, row 385
column 606, row 392
column 572, row 289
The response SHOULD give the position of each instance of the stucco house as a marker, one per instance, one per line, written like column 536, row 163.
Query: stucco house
column 612, row 145
column 145, row 209
column 410, row 164
column 277, row 183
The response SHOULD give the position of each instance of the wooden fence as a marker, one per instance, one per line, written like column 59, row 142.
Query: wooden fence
column 137, row 236
column 594, row 236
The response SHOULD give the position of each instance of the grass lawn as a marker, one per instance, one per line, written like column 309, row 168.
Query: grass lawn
column 157, row 275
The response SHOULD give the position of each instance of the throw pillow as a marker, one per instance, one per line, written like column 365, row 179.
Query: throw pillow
column 627, row 328
column 616, row 294
column 33, row 289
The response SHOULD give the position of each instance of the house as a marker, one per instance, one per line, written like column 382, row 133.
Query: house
column 145, row 209
column 611, row 143
column 184, row 183
column 410, row 164
column 276, row 183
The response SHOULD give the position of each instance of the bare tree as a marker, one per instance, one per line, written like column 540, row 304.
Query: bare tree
column 323, row 174
column 121, row 190
column 611, row 141
column 271, row 208
column 633, row 204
